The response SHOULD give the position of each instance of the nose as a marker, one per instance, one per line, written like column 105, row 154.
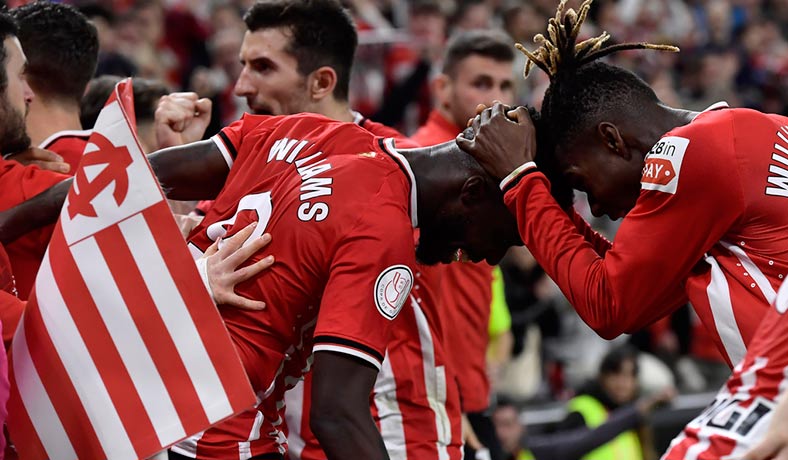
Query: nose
column 243, row 86
column 28, row 93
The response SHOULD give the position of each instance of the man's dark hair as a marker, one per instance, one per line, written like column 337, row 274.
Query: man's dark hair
column 8, row 28
column 426, row 8
column 486, row 43
column 614, row 360
column 322, row 34
column 582, row 89
column 146, row 97
column 61, row 46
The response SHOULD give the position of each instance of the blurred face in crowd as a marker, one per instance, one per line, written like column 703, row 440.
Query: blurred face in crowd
column 508, row 428
column 475, row 80
column 270, row 80
column 15, row 100
column 622, row 386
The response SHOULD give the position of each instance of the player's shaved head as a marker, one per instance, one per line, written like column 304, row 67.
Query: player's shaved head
column 461, row 210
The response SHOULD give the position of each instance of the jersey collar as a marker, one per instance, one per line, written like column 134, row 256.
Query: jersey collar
column 389, row 147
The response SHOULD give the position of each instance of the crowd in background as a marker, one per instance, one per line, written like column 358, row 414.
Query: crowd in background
column 731, row 50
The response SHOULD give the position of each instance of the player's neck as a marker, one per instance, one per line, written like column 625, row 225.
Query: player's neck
column 434, row 184
column 336, row 110
column 45, row 119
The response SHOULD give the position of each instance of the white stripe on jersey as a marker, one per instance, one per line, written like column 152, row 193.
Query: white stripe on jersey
column 782, row 298
column 719, row 295
column 245, row 448
column 755, row 273
column 389, row 413
column 435, row 382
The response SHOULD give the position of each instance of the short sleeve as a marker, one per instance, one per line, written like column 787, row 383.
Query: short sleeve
column 370, row 279
column 229, row 139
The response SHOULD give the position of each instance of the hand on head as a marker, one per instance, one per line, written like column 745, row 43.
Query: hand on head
column 502, row 139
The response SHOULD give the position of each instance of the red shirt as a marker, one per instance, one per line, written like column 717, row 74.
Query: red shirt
column 20, row 183
column 11, row 307
column 709, row 225
column 465, row 296
column 415, row 401
column 70, row 145
column 344, row 207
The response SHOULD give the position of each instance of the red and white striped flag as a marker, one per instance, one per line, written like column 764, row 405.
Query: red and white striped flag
column 121, row 351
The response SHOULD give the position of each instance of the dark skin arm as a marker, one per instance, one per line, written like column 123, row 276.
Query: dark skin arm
column 340, row 416
column 194, row 171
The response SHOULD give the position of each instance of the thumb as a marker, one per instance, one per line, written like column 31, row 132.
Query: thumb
column 203, row 107
column 468, row 145
column 520, row 115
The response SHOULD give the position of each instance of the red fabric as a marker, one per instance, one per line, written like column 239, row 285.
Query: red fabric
column 741, row 413
column 20, row 183
column 70, row 145
column 717, row 239
column 342, row 205
column 465, row 296
column 415, row 402
column 11, row 307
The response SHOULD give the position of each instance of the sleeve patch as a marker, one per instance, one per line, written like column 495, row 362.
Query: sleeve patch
column 663, row 165
column 392, row 289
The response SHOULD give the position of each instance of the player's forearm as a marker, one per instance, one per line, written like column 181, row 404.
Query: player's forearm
column 340, row 416
column 39, row 211
column 602, row 292
column 190, row 172
column 343, row 435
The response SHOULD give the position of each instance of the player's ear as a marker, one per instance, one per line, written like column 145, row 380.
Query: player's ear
column 612, row 139
column 473, row 191
column 441, row 86
column 321, row 82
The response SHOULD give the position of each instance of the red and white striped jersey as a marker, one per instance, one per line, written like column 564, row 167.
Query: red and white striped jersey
column 740, row 415
column 343, row 206
column 709, row 225
column 415, row 401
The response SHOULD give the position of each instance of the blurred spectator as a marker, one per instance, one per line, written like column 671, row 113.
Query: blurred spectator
column 472, row 15
column 408, row 68
column 110, row 61
column 146, row 98
column 604, row 418
column 510, row 431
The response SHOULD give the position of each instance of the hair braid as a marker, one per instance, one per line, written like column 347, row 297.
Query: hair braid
column 560, row 50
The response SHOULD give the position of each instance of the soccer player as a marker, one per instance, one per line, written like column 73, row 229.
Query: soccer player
column 745, row 410
column 348, row 204
column 703, row 196
column 62, row 50
column 477, row 68
column 297, row 57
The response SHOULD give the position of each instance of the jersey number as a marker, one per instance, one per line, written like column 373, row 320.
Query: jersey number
column 258, row 203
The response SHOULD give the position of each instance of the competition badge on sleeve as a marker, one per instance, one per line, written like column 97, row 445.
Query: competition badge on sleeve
column 120, row 352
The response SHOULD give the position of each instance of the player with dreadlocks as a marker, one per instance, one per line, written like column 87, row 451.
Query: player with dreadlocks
column 704, row 201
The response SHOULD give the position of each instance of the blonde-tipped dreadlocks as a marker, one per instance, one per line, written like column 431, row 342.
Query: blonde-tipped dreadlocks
column 559, row 48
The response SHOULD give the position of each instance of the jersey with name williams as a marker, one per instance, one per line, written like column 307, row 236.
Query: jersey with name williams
column 338, row 204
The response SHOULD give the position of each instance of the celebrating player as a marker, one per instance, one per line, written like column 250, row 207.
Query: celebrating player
column 702, row 195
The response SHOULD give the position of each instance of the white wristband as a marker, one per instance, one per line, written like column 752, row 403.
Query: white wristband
column 202, row 269
column 519, row 170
